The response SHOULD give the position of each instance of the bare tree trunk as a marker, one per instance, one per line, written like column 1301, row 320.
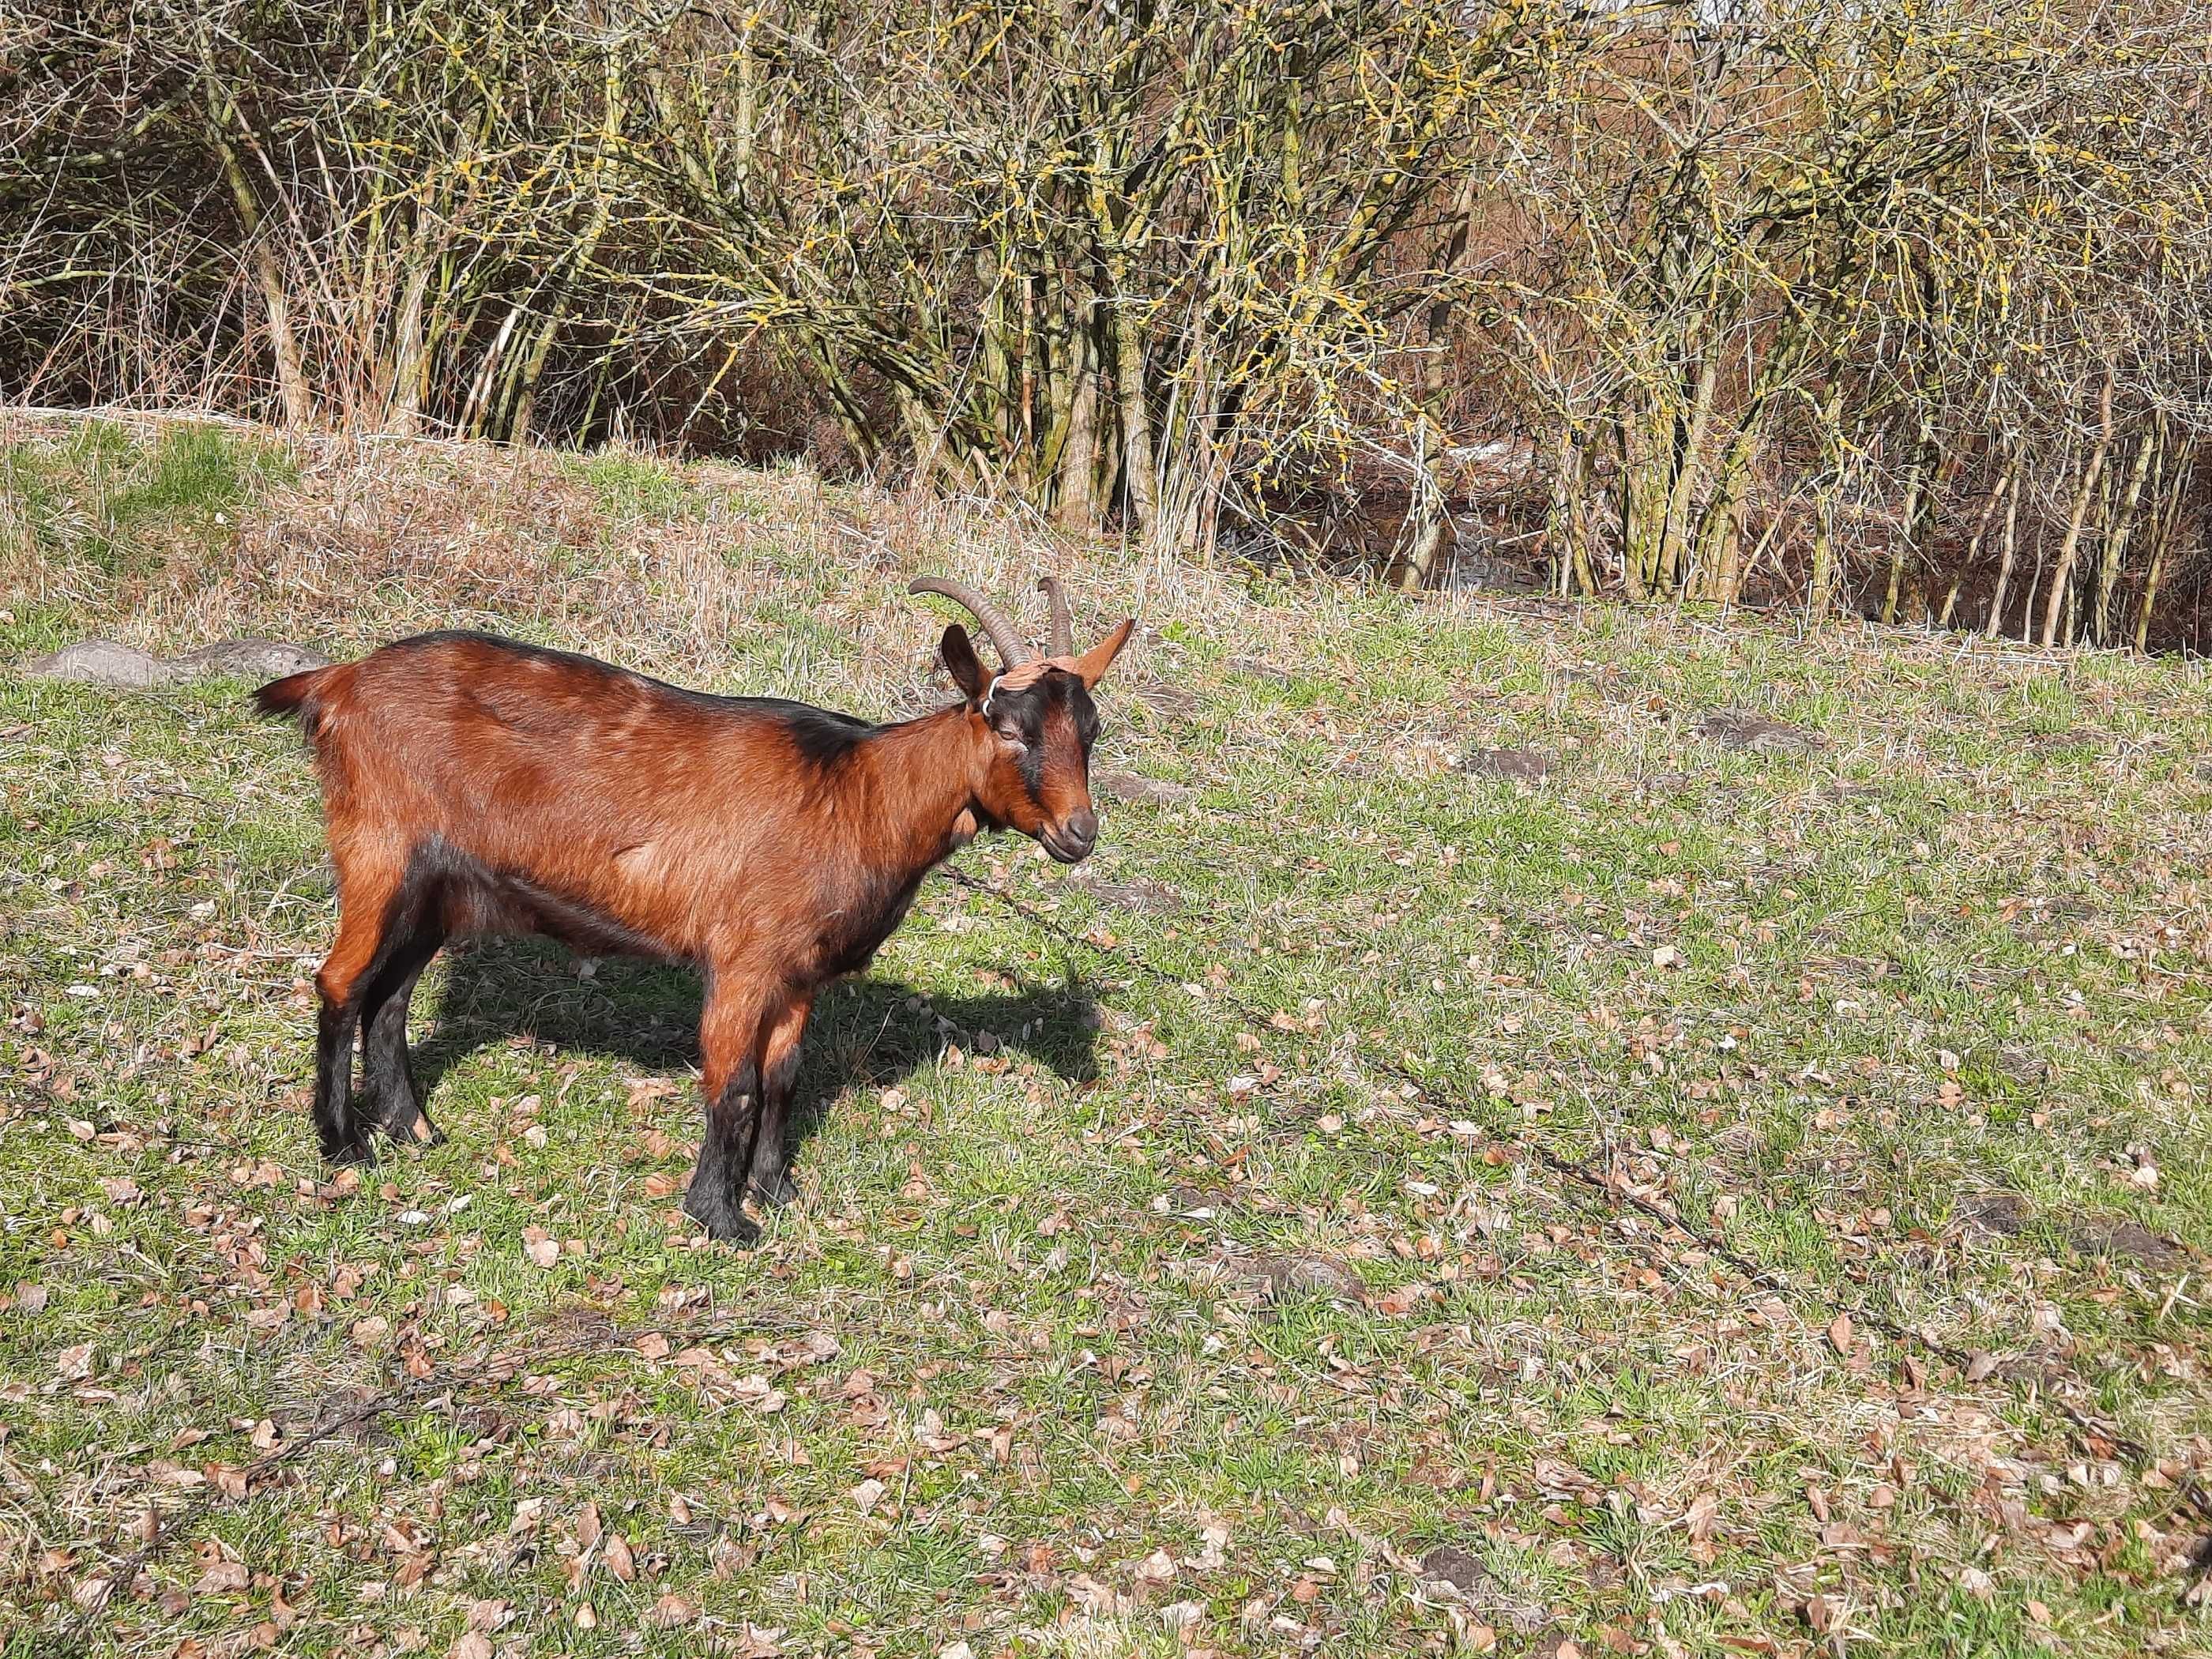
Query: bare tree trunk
column 403, row 398
column 284, row 345
column 1422, row 539
column 1642, row 508
column 1138, row 463
column 2168, row 521
column 1077, row 506
column 1428, row 526
column 1820, row 589
column 2062, row 578
column 2010, row 489
column 1689, row 468
column 1821, row 592
column 1974, row 542
column 1917, row 489
column 2118, row 533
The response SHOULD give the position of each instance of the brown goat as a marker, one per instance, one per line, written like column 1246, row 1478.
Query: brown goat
column 472, row 785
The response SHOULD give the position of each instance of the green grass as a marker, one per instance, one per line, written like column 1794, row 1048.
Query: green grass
column 111, row 500
column 1011, row 1372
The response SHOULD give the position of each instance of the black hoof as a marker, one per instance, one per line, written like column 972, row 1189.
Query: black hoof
column 775, row 1189
column 721, row 1211
column 413, row 1127
column 355, row 1151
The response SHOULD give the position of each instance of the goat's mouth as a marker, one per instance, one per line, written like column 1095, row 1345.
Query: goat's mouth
column 1067, row 848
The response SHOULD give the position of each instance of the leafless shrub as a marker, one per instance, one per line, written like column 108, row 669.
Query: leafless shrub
column 1806, row 305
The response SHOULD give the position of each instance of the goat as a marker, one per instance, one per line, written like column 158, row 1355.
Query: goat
column 472, row 785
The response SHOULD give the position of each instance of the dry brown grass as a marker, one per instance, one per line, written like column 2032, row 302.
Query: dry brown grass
column 681, row 572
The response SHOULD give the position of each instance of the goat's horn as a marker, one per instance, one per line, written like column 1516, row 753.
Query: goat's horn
column 1063, row 624
column 1003, row 633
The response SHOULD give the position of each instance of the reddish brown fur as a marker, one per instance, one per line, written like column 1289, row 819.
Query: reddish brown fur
column 474, row 785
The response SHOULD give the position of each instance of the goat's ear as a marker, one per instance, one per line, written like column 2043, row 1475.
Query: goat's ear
column 1093, row 663
column 963, row 664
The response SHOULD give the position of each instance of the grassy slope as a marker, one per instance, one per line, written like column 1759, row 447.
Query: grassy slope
column 1909, row 1018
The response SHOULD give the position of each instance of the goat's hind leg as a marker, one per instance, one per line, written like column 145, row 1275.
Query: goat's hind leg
column 771, row 1182
column 391, row 1099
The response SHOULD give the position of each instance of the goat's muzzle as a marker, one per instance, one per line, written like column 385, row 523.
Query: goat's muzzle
column 1072, row 840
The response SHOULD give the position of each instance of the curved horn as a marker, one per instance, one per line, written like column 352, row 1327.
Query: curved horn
column 1003, row 633
column 1062, row 643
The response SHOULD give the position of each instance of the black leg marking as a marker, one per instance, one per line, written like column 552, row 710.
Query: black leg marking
column 716, row 1197
column 391, row 1100
column 335, row 1126
column 771, row 1182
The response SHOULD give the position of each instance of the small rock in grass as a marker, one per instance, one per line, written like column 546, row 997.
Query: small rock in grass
column 101, row 662
column 249, row 659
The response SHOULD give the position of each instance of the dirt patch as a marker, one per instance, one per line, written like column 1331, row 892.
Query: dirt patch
column 1742, row 728
column 1138, row 893
column 1301, row 1278
column 1195, row 1204
column 2005, row 1215
column 1282, row 1278
column 2120, row 1239
column 2009, row 1215
column 1522, row 765
column 1146, row 791
column 1660, row 785
column 1174, row 704
column 1448, row 1564
column 1452, row 1574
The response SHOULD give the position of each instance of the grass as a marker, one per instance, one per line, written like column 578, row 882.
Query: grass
column 1110, row 1320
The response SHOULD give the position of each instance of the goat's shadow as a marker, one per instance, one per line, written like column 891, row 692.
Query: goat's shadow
column 866, row 1031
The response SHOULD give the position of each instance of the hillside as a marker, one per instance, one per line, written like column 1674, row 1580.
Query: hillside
column 1540, row 1126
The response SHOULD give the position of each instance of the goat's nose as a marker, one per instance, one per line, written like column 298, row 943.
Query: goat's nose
column 1082, row 826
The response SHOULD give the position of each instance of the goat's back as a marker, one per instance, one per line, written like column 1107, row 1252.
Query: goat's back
column 653, row 803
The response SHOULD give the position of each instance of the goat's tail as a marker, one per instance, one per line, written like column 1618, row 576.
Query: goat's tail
column 296, row 697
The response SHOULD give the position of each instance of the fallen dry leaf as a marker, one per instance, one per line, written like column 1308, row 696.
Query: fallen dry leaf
column 1699, row 1517
column 619, row 1559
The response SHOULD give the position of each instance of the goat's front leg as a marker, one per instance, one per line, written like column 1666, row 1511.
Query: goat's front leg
column 785, row 1025
column 729, row 1053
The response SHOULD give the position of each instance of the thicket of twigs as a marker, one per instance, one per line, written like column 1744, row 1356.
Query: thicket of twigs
column 1900, row 309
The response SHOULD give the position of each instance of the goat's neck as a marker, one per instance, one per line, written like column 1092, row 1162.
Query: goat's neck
column 925, row 777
